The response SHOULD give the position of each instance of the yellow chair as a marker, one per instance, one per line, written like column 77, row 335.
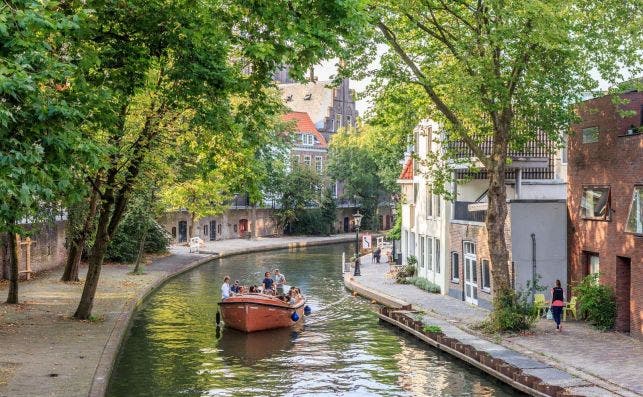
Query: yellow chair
column 571, row 307
column 540, row 303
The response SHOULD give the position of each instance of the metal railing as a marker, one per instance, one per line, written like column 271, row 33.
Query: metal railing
column 461, row 212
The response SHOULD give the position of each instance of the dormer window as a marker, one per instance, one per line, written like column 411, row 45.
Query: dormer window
column 307, row 139
column 308, row 96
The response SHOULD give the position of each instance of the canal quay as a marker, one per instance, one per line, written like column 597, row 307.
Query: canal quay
column 156, row 334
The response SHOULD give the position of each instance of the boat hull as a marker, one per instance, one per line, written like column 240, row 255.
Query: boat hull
column 258, row 312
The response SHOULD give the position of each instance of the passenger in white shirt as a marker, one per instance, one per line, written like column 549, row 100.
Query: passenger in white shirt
column 225, row 288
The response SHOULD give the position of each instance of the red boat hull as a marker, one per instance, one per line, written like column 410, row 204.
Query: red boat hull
column 258, row 312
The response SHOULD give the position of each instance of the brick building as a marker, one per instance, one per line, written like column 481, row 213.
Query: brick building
column 605, row 201
column 310, row 147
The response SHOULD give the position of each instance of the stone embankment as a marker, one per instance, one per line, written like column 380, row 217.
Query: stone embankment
column 579, row 361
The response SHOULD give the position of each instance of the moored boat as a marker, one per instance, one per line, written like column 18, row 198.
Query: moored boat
column 252, row 312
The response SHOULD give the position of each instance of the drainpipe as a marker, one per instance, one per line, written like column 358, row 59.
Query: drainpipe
column 518, row 182
column 533, row 266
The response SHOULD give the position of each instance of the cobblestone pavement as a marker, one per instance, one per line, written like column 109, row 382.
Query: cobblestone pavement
column 43, row 352
column 609, row 359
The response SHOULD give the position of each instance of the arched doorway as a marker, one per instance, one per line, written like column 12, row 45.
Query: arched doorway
column 243, row 227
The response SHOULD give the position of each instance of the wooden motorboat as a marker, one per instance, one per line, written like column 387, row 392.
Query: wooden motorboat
column 252, row 312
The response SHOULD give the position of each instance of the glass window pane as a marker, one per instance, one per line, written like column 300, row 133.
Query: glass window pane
column 437, row 256
column 635, row 217
column 429, row 250
column 595, row 202
column 594, row 264
column 474, row 272
column 590, row 134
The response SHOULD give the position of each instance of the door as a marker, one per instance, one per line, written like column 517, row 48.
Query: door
column 345, row 224
column 183, row 231
column 243, row 227
column 470, row 273
column 213, row 230
column 623, row 288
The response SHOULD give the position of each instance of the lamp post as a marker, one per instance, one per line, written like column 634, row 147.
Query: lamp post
column 393, row 215
column 357, row 218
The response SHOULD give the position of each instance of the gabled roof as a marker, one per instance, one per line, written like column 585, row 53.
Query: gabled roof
column 312, row 98
column 407, row 172
column 305, row 125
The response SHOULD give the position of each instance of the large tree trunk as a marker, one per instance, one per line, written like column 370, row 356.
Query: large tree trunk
column 253, row 219
column 78, row 241
column 191, row 227
column 13, row 276
column 495, row 223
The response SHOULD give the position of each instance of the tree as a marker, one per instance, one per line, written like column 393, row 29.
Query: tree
column 299, row 190
column 328, row 211
column 173, row 64
column 501, row 72
column 41, row 145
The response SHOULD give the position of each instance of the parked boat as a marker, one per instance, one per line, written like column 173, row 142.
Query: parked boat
column 258, row 312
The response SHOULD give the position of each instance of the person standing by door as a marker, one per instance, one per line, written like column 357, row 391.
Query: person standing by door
column 557, row 304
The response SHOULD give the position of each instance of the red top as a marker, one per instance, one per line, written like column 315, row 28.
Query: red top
column 556, row 302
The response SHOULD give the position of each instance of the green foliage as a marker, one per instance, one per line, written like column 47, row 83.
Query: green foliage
column 125, row 244
column 298, row 192
column 407, row 271
column 434, row 329
column 396, row 231
column 424, row 284
column 513, row 312
column 596, row 302
column 328, row 211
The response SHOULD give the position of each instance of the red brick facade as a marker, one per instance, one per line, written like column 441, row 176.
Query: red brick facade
column 615, row 161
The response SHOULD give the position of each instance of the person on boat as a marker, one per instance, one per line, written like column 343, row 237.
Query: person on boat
column 225, row 288
column 253, row 289
column 280, row 280
column 236, row 288
column 268, row 283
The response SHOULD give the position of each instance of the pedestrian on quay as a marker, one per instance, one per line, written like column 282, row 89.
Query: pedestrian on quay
column 377, row 254
column 225, row 288
column 557, row 304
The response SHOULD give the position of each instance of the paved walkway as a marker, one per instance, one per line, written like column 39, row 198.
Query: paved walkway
column 43, row 352
column 610, row 360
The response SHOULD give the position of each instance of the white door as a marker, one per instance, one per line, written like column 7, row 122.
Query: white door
column 470, row 273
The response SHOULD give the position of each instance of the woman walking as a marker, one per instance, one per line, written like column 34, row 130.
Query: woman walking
column 557, row 304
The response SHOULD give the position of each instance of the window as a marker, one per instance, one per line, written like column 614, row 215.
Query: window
column 307, row 160
column 429, row 141
column 234, row 228
column 429, row 253
column 429, row 203
column 635, row 218
column 563, row 151
column 595, row 203
column 307, row 139
column 486, row 275
column 593, row 263
column 438, row 268
column 296, row 159
column 348, row 121
column 455, row 267
column 590, row 134
column 219, row 228
column 174, row 232
column 338, row 121
column 422, row 252
column 437, row 207
column 469, row 248
column 319, row 166
column 205, row 230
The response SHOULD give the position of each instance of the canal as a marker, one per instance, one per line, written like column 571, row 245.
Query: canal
column 173, row 348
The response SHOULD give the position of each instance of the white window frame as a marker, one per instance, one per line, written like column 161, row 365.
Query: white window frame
column 429, row 253
column 586, row 196
column 338, row 121
column 429, row 203
column 422, row 252
column 636, row 206
column 436, row 262
column 437, row 207
column 593, row 266
column 319, row 165
column 307, row 160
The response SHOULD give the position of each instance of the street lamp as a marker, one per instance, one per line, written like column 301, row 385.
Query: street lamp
column 357, row 218
column 393, row 215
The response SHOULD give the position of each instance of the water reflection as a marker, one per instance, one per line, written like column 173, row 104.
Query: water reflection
column 174, row 348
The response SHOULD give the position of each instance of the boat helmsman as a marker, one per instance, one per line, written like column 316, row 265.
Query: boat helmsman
column 225, row 288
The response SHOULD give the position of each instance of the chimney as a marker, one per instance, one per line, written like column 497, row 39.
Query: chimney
column 311, row 77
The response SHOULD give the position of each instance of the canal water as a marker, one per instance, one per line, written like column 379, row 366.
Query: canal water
column 174, row 349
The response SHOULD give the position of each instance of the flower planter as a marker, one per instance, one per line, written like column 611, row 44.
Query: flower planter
column 550, row 390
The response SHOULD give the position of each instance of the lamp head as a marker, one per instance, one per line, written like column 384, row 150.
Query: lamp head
column 357, row 217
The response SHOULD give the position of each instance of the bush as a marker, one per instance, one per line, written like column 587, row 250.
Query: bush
column 596, row 302
column 309, row 222
column 432, row 329
column 424, row 284
column 124, row 245
column 513, row 312
column 406, row 272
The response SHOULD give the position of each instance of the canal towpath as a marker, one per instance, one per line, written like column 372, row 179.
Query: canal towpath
column 585, row 361
column 43, row 352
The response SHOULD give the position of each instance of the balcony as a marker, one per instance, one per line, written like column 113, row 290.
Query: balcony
column 461, row 212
